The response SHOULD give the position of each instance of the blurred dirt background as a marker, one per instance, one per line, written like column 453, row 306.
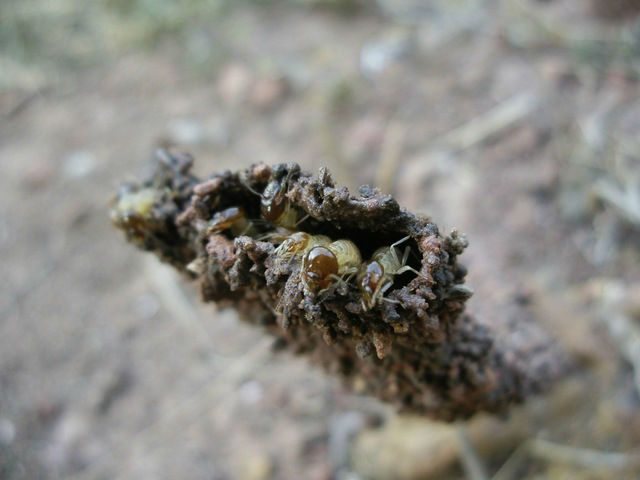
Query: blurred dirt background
column 516, row 122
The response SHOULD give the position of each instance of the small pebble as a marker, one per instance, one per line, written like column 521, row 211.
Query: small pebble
column 378, row 55
column 146, row 306
column 250, row 393
column 364, row 137
column 63, row 445
column 38, row 176
column 5, row 232
column 7, row 432
column 268, row 92
column 187, row 131
column 342, row 429
column 233, row 83
column 79, row 164
column 257, row 467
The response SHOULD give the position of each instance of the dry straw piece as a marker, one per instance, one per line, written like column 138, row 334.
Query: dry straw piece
column 238, row 235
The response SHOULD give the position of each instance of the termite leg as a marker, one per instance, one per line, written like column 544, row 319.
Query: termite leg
column 384, row 290
column 389, row 300
column 327, row 292
column 407, row 268
column 379, row 291
column 393, row 246
column 405, row 256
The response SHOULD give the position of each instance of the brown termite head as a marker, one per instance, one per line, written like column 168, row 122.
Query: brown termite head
column 324, row 266
column 320, row 267
column 370, row 281
column 274, row 202
column 275, row 207
column 233, row 219
column 375, row 276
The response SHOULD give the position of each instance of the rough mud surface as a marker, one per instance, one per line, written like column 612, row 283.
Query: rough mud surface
column 419, row 350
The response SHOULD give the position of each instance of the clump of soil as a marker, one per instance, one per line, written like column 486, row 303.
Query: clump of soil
column 415, row 347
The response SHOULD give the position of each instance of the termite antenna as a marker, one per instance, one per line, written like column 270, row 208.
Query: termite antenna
column 301, row 220
column 251, row 189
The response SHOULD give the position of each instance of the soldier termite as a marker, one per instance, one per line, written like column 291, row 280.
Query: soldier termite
column 295, row 247
column 376, row 275
column 275, row 206
column 325, row 266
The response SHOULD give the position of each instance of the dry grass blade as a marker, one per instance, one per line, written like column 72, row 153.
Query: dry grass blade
column 505, row 115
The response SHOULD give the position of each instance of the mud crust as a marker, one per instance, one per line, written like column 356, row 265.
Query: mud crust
column 422, row 352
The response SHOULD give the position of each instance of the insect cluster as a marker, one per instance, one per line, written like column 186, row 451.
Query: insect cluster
column 323, row 271
column 324, row 264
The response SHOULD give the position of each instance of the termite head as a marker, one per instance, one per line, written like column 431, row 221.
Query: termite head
column 232, row 218
column 294, row 244
column 324, row 265
column 274, row 202
column 319, row 268
column 276, row 207
column 370, row 281
column 375, row 276
column 299, row 243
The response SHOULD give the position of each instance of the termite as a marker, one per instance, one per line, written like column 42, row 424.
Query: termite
column 376, row 275
column 298, row 244
column 233, row 219
column 133, row 211
column 327, row 265
column 295, row 247
column 276, row 208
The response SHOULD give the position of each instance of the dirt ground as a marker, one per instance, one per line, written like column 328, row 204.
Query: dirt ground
column 515, row 122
